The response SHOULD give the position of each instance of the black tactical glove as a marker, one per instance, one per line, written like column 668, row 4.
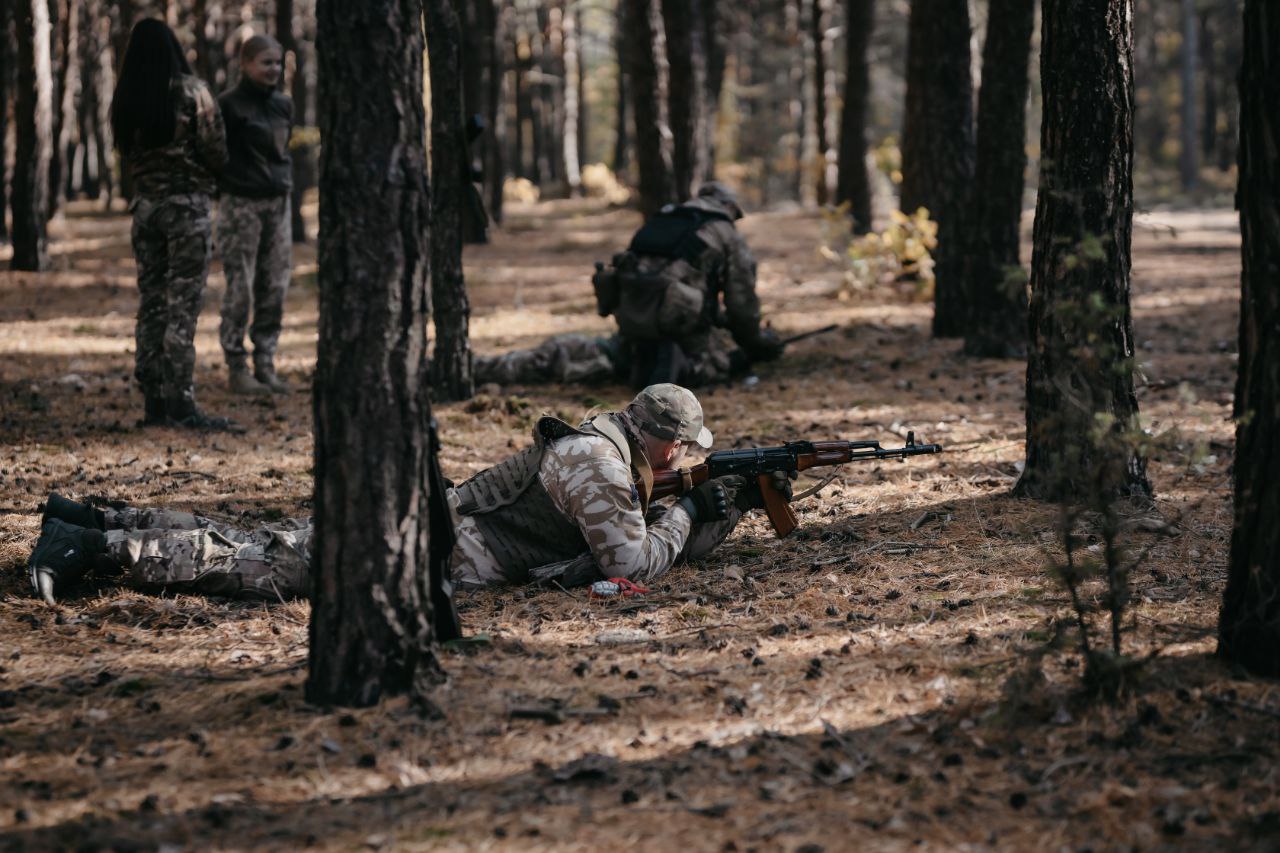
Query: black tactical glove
column 711, row 500
column 750, row 497
column 767, row 346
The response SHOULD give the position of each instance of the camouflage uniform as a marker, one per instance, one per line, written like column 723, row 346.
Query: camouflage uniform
column 697, row 346
column 164, row 550
column 255, row 241
column 563, row 358
column 171, row 240
column 254, row 227
column 588, row 474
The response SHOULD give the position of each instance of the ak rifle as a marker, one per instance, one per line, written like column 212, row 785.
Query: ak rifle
column 757, row 463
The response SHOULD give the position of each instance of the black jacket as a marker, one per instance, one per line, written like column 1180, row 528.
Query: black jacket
column 258, row 123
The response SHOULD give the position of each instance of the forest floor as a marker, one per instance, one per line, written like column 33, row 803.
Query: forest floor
column 898, row 672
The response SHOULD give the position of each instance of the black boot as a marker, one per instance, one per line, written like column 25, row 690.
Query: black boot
column 155, row 410
column 184, row 413
column 62, row 557
column 72, row 512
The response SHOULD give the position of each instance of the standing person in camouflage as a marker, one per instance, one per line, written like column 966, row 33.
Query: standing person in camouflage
column 170, row 134
column 683, row 295
column 567, row 508
column 254, row 226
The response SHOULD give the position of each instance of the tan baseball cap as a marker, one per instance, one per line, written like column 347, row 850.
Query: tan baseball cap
column 671, row 412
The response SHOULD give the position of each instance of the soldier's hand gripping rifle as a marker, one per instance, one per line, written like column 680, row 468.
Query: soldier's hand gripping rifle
column 757, row 463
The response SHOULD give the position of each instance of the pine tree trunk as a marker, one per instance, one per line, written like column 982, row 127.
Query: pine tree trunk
column 58, row 20
column 33, row 113
column 569, row 134
column 854, row 185
column 8, row 57
column 622, row 134
column 580, row 60
column 451, row 377
column 713, row 37
column 1189, row 157
column 1249, row 631
column 1210, row 86
column 994, row 279
column 687, row 88
column 104, row 85
column 818, row 28
column 938, row 144
column 372, row 613
column 494, row 165
column 647, row 71
column 1081, row 404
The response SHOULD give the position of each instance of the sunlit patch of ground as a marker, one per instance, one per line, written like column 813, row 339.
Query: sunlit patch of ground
column 868, row 682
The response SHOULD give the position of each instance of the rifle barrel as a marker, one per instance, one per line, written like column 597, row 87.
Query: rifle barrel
column 809, row 334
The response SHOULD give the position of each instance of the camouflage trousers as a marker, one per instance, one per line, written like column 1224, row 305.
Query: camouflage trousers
column 167, row 551
column 563, row 358
column 172, row 247
column 255, row 240
column 699, row 359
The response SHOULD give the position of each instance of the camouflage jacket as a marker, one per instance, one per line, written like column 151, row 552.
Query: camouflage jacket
column 192, row 161
column 726, row 264
column 589, row 482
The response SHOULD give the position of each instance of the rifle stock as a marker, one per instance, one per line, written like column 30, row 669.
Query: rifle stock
column 759, row 462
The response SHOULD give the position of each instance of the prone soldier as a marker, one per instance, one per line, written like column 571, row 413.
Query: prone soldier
column 573, row 506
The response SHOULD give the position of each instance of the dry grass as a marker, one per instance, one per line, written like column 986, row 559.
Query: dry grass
column 869, row 682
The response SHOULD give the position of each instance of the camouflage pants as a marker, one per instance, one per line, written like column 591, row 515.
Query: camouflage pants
column 167, row 551
column 700, row 358
column 255, row 239
column 563, row 358
column 171, row 244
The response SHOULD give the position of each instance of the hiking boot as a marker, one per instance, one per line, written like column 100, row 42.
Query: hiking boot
column 241, row 381
column 62, row 557
column 265, row 373
column 185, row 414
column 72, row 512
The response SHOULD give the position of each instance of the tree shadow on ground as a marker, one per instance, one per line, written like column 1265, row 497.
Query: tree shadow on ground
column 962, row 774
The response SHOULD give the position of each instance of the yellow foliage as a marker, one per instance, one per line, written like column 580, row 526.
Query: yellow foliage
column 520, row 189
column 900, row 252
column 599, row 181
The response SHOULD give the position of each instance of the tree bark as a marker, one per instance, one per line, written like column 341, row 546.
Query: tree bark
column 372, row 611
column 994, row 279
column 8, row 57
column 686, row 89
column 1209, row 64
column 1189, row 156
column 818, row 28
column 854, row 185
column 451, row 377
column 938, row 144
column 572, row 123
column 1249, row 630
column 1081, row 406
column 494, row 165
column 646, row 54
column 715, row 40
column 34, row 117
column 622, row 135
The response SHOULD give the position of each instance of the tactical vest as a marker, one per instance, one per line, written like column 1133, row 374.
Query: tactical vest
column 663, row 291
column 520, row 523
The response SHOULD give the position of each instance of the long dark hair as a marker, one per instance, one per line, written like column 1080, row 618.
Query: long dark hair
column 142, row 114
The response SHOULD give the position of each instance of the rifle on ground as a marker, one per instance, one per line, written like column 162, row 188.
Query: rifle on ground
column 812, row 333
column 759, row 462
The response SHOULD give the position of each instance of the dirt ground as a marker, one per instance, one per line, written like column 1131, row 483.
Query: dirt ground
column 895, row 674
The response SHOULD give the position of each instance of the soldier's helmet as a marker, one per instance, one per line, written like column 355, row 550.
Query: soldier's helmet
column 721, row 195
column 670, row 412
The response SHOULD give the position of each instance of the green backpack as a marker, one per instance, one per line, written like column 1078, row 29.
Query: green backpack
column 651, row 296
